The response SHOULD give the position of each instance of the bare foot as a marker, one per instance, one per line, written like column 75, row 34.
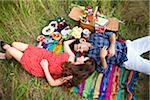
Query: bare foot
column 2, row 56
column 7, row 55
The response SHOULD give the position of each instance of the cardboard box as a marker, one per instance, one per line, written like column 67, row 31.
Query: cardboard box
column 113, row 24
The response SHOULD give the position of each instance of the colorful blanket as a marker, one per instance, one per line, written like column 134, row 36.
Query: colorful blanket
column 117, row 83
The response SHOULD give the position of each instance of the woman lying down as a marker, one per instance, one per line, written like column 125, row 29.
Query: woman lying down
column 59, row 69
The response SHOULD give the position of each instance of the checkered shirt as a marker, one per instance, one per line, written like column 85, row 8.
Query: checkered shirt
column 98, row 40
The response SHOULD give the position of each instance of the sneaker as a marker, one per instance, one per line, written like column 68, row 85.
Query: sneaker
column 2, row 43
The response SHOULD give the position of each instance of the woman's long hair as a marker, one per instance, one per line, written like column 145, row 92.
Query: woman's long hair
column 79, row 72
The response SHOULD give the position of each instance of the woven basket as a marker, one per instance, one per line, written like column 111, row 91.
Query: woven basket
column 89, row 26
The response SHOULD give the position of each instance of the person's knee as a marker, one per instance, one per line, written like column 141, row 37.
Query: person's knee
column 19, row 46
column 14, row 44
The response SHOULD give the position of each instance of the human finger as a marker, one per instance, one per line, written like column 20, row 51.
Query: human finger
column 105, row 47
column 68, row 77
column 64, row 79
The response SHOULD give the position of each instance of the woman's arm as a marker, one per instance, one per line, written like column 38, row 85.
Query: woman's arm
column 68, row 50
column 51, row 81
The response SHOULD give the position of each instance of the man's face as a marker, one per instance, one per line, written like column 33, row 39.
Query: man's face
column 82, row 47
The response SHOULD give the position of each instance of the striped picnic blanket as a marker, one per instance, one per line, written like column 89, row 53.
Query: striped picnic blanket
column 117, row 83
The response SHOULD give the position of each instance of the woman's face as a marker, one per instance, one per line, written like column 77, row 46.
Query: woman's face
column 81, row 60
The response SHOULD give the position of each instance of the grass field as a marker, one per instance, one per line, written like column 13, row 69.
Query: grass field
column 22, row 20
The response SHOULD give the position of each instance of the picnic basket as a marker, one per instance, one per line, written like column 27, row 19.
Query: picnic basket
column 89, row 26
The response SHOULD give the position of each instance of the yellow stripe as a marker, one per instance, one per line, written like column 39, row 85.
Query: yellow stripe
column 97, row 87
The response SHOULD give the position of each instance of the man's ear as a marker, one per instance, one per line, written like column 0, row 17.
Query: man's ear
column 82, row 40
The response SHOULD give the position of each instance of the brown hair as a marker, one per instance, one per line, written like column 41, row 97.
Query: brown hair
column 79, row 72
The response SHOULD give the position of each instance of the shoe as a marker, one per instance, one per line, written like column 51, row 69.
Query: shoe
column 2, row 43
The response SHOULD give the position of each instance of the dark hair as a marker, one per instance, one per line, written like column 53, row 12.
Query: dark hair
column 79, row 72
column 73, row 43
column 77, row 54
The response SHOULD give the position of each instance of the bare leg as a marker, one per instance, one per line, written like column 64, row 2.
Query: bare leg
column 20, row 46
column 13, row 52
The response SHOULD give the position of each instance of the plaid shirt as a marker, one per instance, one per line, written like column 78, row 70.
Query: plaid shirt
column 98, row 40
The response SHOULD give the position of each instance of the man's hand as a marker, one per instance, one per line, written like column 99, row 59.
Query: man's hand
column 111, row 51
column 44, row 64
column 103, row 52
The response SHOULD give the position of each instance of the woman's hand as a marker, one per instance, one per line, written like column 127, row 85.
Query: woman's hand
column 44, row 64
column 62, row 80
column 103, row 52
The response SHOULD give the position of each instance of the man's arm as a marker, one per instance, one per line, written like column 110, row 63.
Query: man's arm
column 103, row 54
column 111, row 49
column 103, row 63
column 51, row 81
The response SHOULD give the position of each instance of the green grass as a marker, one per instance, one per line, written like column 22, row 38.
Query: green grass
column 23, row 20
